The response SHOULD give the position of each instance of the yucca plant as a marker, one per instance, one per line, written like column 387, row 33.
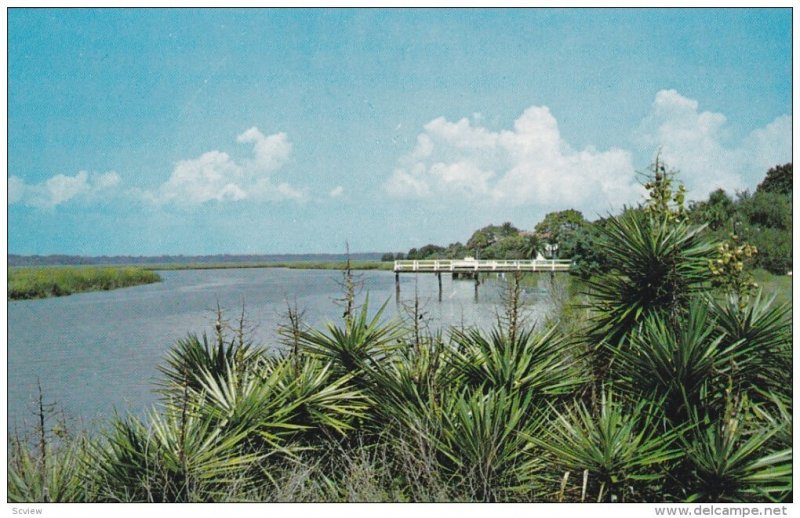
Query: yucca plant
column 765, row 330
column 774, row 410
column 655, row 264
column 729, row 461
column 540, row 364
column 678, row 363
column 621, row 453
column 359, row 341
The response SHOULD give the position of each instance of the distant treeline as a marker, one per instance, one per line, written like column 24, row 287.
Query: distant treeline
column 71, row 260
column 762, row 218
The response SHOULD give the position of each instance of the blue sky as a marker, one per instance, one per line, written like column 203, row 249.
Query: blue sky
column 151, row 131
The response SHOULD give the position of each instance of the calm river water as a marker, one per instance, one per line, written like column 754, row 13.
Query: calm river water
column 96, row 353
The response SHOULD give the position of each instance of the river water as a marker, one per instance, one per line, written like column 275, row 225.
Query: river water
column 97, row 353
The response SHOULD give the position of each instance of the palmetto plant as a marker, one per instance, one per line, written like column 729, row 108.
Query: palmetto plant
column 181, row 457
column 476, row 436
column 622, row 453
column 328, row 403
column 409, row 374
column 61, row 479
column 193, row 355
column 252, row 401
column 282, row 405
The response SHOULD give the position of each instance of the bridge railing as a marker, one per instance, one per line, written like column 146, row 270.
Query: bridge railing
column 489, row 265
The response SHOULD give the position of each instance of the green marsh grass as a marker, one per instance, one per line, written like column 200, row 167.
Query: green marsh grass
column 35, row 283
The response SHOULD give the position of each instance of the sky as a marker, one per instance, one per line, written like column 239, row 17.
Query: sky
column 257, row 131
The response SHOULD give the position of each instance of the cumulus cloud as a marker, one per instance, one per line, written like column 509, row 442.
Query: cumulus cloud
column 216, row 176
column 270, row 153
column 336, row 192
column 16, row 189
column 532, row 164
column 529, row 164
column 60, row 189
column 697, row 144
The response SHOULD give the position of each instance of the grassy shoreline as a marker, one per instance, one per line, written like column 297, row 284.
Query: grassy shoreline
column 36, row 282
column 294, row 265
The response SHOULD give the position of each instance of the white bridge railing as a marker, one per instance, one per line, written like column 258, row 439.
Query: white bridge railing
column 489, row 265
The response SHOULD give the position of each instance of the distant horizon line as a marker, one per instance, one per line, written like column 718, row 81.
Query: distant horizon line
column 11, row 255
column 226, row 254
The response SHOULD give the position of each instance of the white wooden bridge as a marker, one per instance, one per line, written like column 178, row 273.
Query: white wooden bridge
column 482, row 266
column 473, row 268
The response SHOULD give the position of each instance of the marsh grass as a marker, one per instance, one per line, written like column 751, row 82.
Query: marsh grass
column 34, row 283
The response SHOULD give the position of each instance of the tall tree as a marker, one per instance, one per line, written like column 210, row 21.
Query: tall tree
column 717, row 211
column 558, row 227
column 778, row 179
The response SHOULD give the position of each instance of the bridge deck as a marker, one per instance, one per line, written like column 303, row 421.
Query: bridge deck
column 490, row 265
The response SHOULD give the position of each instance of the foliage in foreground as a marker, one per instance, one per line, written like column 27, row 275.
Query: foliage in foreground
column 480, row 419
column 674, row 391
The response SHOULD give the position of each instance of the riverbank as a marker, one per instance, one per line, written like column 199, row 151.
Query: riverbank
column 56, row 281
column 37, row 283
column 293, row 265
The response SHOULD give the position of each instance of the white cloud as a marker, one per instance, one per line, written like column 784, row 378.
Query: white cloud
column 530, row 164
column 270, row 153
column 336, row 192
column 60, row 189
column 215, row 176
column 770, row 145
column 16, row 189
column 210, row 176
column 697, row 144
